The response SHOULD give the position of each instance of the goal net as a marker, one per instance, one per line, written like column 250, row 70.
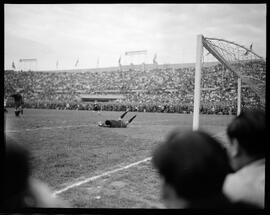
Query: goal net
column 236, row 77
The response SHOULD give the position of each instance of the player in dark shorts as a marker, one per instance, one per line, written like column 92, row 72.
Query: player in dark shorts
column 18, row 99
column 120, row 123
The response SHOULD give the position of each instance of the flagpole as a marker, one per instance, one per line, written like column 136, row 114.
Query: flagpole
column 76, row 62
column 98, row 62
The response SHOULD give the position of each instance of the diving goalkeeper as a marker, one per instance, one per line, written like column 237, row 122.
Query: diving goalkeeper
column 120, row 123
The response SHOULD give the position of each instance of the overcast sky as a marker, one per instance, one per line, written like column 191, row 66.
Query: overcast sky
column 97, row 35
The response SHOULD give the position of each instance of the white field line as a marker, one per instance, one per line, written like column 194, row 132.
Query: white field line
column 110, row 172
column 218, row 134
column 94, row 177
column 101, row 175
column 46, row 128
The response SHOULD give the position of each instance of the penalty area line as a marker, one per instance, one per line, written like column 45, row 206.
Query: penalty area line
column 46, row 128
column 101, row 175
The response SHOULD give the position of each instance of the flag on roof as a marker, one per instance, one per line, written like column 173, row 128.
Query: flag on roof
column 119, row 61
column 13, row 65
column 155, row 58
column 250, row 49
column 77, row 62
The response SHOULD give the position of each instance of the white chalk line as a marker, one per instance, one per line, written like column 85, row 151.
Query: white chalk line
column 112, row 171
column 94, row 177
column 46, row 128
column 101, row 175
column 218, row 134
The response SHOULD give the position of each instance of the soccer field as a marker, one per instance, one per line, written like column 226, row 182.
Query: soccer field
column 94, row 167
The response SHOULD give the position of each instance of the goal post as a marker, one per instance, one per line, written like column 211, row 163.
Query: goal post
column 197, row 83
column 239, row 86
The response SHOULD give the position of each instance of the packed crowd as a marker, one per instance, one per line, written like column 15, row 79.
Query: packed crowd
column 196, row 170
column 254, row 68
column 152, row 88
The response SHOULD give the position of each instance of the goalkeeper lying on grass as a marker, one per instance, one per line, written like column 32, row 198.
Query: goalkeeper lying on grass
column 120, row 123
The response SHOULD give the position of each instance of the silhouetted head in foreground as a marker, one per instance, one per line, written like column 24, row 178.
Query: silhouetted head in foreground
column 21, row 190
column 246, row 150
column 247, row 138
column 16, row 173
column 193, row 166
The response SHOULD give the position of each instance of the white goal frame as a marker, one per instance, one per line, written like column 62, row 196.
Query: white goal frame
column 202, row 43
column 197, row 83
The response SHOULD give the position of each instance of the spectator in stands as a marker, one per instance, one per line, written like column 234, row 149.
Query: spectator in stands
column 193, row 167
column 156, row 86
column 20, row 189
column 246, row 149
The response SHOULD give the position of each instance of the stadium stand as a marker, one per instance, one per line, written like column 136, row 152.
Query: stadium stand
column 162, row 89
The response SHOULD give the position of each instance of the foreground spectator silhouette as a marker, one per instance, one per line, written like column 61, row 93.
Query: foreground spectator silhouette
column 246, row 149
column 193, row 167
column 20, row 189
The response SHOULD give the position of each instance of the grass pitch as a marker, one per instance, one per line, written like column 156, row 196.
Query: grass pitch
column 68, row 147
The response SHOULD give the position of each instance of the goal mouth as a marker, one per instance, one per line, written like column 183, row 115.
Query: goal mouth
column 241, row 64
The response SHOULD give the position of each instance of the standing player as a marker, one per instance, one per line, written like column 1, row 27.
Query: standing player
column 120, row 123
column 18, row 99
column 5, row 105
